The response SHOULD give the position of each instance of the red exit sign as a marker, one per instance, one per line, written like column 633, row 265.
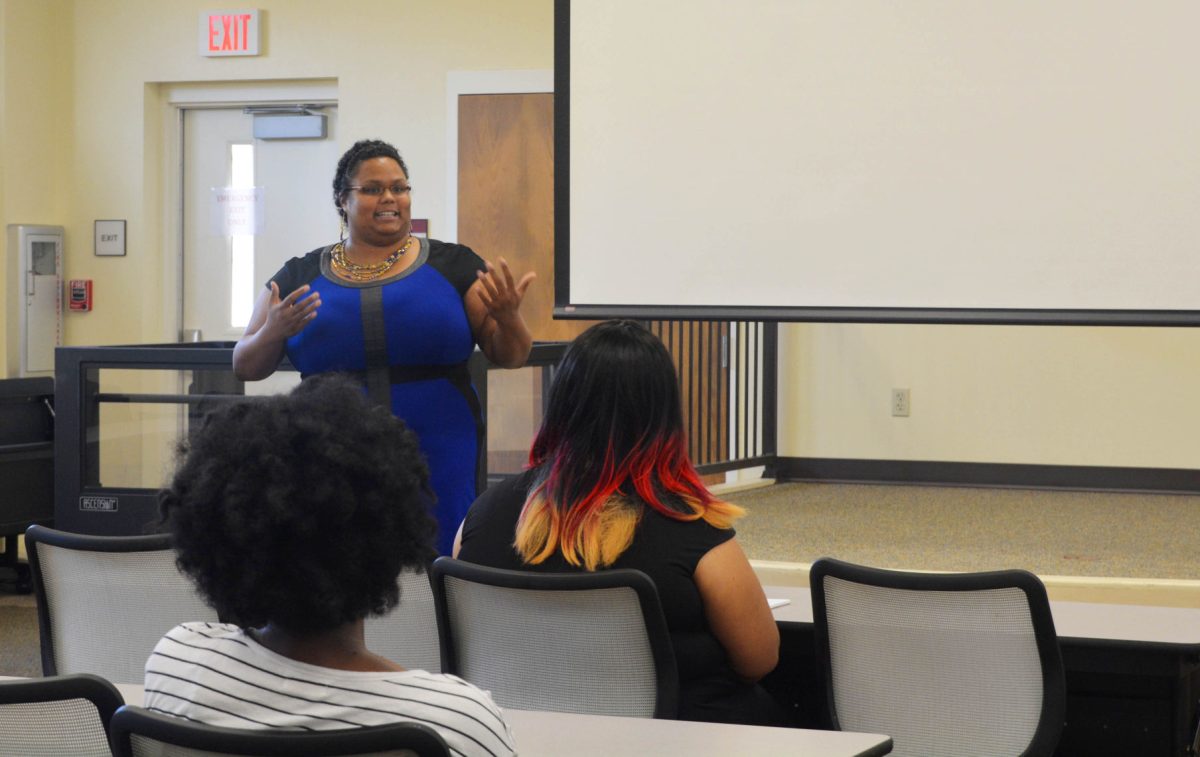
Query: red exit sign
column 229, row 33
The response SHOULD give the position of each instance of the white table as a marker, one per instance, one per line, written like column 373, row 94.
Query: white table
column 550, row 734
column 1085, row 621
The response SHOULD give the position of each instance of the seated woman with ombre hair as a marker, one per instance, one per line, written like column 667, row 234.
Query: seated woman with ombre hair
column 610, row 485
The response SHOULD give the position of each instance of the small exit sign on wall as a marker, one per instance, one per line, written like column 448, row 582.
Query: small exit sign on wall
column 229, row 33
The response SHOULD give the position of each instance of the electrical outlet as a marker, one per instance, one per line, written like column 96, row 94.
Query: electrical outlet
column 900, row 403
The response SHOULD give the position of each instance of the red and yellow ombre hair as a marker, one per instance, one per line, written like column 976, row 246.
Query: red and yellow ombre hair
column 611, row 443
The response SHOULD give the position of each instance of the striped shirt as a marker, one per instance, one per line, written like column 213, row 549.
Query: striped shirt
column 214, row 673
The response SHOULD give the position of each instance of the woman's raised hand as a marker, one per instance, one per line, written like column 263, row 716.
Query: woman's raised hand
column 499, row 294
column 287, row 316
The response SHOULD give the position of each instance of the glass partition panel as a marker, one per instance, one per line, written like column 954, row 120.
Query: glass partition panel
column 514, row 413
column 122, row 410
column 279, row 382
column 136, row 417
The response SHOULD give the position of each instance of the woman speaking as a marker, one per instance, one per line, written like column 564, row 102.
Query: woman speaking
column 401, row 313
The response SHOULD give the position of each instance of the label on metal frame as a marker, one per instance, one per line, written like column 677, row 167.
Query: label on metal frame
column 98, row 504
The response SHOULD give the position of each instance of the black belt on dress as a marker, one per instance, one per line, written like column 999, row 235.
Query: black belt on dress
column 456, row 373
column 399, row 374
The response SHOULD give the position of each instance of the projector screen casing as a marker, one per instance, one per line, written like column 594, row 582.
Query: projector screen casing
column 979, row 162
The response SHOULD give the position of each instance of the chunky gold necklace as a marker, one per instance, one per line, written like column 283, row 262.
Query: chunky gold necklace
column 347, row 268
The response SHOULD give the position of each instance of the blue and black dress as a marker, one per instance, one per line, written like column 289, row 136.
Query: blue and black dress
column 408, row 338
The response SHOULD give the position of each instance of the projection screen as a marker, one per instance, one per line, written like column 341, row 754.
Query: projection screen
column 1007, row 161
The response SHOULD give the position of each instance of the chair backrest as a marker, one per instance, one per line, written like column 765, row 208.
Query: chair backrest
column 57, row 716
column 136, row 732
column 105, row 601
column 945, row 664
column 408, row 635
column 569, row 642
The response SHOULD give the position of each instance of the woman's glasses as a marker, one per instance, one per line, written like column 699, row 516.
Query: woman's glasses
column 377, row 190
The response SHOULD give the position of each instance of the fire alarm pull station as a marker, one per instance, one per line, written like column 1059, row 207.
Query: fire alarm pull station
column 80, row 296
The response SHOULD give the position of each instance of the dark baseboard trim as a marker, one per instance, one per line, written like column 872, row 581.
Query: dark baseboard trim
column 933, row 473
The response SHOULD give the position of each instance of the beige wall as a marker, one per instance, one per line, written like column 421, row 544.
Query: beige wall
column 101, row 137
column 1001, row 394
column 36, row 166
column 83, row 138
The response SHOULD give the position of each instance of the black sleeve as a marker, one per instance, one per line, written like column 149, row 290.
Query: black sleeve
column 297, row 272
column 457, row 262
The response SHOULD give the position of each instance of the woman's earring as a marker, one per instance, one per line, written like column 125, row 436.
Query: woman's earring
column 341, row 229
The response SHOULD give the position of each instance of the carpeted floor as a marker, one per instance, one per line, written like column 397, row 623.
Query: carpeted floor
column 1059, row 533
column 19, row 650
column 909, row 527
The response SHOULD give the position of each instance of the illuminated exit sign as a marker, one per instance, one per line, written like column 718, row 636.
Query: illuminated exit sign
column 228, row 33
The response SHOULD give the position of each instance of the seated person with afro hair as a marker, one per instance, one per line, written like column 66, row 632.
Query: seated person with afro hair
column 294, row 515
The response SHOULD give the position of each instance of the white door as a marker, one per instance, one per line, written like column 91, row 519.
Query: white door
column 248, row 206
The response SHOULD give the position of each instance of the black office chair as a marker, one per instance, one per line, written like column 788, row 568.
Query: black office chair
column 944, row 663
column 105, row 601
column 592, row 643
column 135, row 732
column 63, row 715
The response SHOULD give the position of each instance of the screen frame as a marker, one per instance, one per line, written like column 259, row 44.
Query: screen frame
column 565, row 308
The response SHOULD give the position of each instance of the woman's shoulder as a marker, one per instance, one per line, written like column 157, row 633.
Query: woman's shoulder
column 487, row 530
column 456, row 262
column 450, row 684
column 483, row 723
column 204, row 629
column 504, row 496
column 694, row 536
column 299, row 271
column 449, row 249
column 449, row 681
column 199, row 637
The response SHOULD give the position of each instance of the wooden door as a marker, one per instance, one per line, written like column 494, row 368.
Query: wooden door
column 506, row 195
column 506, row 208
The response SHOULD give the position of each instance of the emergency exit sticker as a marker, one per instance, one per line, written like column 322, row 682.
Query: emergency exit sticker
column 236, row 211
column 229, row 33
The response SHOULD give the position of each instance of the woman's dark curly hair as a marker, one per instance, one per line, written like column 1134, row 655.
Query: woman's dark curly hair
column 363, row 149
column 300, row 509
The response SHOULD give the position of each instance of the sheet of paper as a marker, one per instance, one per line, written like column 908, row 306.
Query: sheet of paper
column 778, row 602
